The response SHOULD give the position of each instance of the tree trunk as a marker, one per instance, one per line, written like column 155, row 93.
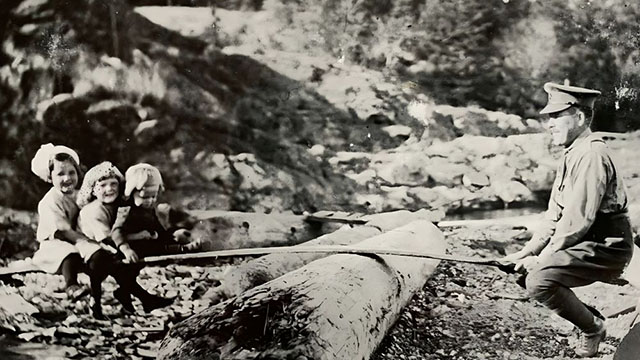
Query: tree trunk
column 269, row 267
column 339, row 307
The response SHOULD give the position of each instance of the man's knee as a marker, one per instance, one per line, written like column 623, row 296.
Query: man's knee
column 540, row 285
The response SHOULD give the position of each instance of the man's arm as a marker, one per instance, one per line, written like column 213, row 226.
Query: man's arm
column 547, row 226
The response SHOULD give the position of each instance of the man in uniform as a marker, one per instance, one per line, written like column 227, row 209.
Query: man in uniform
column 586, row 236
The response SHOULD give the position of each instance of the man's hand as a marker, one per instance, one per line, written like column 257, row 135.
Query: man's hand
column 526, row 264
column 513, row 258
column 130, row 256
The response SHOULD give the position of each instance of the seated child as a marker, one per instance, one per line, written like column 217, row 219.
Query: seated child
column 138, row 221
column 57, row 212
column 98, row 199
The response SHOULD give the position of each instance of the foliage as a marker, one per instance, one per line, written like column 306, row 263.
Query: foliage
column 497, row 54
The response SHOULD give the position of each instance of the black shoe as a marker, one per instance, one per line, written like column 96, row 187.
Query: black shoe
column 152, row 302
column 125, row 300
column 96, row 310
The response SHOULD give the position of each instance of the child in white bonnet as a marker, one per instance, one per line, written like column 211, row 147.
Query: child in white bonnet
column 138, row 224
column 57, row 215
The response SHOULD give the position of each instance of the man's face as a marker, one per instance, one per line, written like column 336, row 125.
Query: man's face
column 64, row 176
column 146, row 197
column 565, row 126
column 106, row 190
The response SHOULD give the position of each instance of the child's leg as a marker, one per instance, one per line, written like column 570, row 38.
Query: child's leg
column 126, row 278
column 102, row 264
column 70, row 268
column 97, row 268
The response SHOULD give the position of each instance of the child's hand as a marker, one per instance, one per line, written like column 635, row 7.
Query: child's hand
column 130, row 256
column 182, row 236
column 143, row 235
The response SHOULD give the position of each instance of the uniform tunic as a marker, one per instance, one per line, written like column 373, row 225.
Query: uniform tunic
column 588, row 235
column 56, row 212
column 587, row 191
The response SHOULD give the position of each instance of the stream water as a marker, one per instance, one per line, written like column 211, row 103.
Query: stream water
column 495, row 214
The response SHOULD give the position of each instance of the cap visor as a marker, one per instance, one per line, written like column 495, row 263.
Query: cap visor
column 553, row 108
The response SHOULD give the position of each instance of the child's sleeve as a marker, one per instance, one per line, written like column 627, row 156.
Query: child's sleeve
column 51, row 218
column 117, row 234
column 95, row 223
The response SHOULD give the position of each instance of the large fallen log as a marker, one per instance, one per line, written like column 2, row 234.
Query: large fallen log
column 266, row 268
column 338, row 307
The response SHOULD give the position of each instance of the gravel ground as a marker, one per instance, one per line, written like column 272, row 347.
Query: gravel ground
column 463, row 312
column 473, row 312
column 65, row 329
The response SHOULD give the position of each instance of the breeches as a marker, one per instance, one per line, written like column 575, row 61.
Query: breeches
column 600, row 256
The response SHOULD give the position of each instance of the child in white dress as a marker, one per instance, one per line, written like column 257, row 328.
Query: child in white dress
column 57, row 212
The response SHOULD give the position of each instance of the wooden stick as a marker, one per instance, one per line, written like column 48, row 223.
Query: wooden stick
column 334, row 249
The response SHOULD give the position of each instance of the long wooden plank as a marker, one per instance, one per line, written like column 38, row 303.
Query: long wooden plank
column 333, row 249
column 20, row 269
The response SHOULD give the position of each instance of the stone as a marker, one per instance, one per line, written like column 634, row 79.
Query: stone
column 364, row 177
column 512, row 191
column 317, row 150
column 402, row 131
column 14, row 304
column 475, row 179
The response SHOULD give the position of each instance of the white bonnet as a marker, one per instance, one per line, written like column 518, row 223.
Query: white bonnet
column 44, row 155
column 141, row 175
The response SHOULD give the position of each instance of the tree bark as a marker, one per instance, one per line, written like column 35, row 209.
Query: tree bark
column 269, row 267
column 339, row 307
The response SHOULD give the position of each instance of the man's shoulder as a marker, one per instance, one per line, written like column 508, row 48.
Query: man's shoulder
column 594, row 145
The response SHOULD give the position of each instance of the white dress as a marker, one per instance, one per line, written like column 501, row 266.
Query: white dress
column 56, row 212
